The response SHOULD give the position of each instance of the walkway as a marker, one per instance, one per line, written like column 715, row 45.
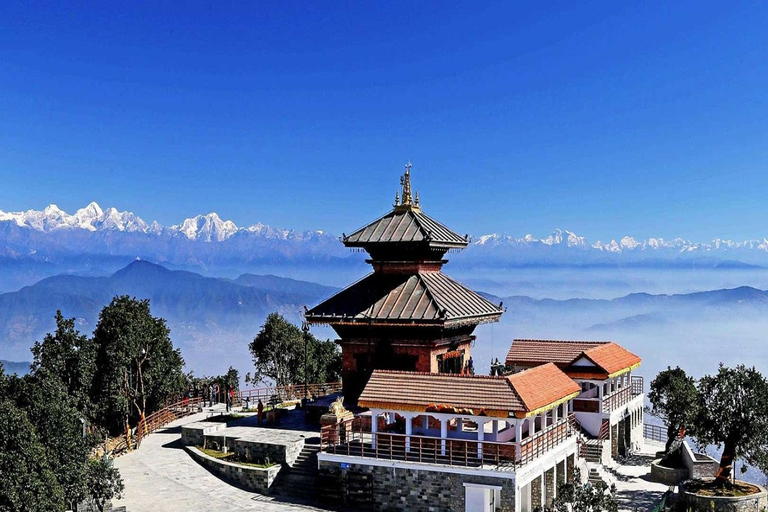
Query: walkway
column 635, row 490
column 161, row 476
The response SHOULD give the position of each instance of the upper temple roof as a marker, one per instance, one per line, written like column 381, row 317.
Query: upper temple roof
column 406, row 226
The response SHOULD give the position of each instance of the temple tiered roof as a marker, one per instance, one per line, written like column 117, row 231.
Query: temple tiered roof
column 420, row 298
column 406, row 226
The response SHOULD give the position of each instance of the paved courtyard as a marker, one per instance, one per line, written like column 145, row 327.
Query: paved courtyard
column 636, row 492
column 161, row 477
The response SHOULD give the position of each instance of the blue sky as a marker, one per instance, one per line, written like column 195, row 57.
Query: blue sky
column 605, row 118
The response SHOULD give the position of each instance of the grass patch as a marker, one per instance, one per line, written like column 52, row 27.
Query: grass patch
column 231, row 457
column 708, row 488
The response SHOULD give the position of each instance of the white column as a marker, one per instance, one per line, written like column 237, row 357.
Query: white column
column 554, row 415
column 374, row 427
column 425, row 422
column 554, row 480
column 600, row 396
column 518, row 437
column 495, row 430
column 408, row 432
column 443, row 434
column 543, row 488
column 480, row 437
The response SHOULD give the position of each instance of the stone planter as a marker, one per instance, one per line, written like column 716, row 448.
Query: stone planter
column 752, row 503
column 250, row 478
column 667, row 476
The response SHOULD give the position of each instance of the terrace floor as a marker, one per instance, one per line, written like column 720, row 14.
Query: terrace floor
column 161, row 476
column 635, row 489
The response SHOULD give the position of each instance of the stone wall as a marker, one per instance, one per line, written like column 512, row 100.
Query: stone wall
column 193, row 434
column 250, row 478
column 753, row 503
column 280, row 453
column 549, row 485
column 536, row 492
column 615, row 441
column 416, row 490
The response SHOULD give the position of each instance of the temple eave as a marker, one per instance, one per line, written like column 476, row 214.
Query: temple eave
column 445, row 323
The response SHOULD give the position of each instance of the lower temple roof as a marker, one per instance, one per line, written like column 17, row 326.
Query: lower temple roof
column 422, row 298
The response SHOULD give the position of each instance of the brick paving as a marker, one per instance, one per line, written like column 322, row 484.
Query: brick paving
column 162, row 477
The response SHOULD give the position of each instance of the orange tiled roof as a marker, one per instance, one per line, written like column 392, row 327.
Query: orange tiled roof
column 530, row 352
column 543, row 385
column 470, row 394
column 608, row 357
column 612, row 357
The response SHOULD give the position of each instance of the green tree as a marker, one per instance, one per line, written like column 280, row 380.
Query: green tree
column 578, row 497
column 674, row 398
column 137, row 368
column 28, row 483
column 733, row 413
column 281, row 352
column 68, row 357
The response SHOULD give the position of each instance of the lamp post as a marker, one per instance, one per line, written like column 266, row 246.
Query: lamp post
column 305, row 330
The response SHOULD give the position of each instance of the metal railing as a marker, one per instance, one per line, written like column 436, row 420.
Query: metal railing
column 347, row 438
column 617, row 399
column 637, row 385
column 655, row 432
column 281, row 394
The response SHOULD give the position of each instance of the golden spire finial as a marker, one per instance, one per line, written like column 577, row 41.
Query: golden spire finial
column 407, row 197
column 397, row 198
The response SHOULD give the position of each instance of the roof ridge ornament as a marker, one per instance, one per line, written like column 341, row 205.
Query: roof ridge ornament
column 408, row 203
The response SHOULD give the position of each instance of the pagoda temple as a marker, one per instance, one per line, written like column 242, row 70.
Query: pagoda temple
column 406, row 314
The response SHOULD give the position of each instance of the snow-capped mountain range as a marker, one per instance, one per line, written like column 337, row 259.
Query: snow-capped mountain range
column 571, row 240
column 207, row 240
column 206, row 228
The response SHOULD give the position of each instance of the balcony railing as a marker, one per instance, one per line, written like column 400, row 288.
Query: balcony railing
column 617, row 399
column 347, row 438
column 655, row 432
column 637, row 385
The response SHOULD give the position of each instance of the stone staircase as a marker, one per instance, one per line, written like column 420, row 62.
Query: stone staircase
column 594, row 477
column 592, row 451
column 299, row 480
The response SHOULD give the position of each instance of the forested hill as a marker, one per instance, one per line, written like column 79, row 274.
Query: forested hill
column 201, row 311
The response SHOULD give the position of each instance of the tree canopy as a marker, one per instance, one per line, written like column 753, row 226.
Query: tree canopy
column 674, row 398
column 733, row 413
column 137, row 368
column 282, row 353
column 579, row 497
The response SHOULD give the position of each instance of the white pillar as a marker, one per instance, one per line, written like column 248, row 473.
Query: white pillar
column 495, row 430
column 480, row 437
column 374, row 427
column 554, row 415
column 408, row 432
column 518, row 437
column 543, row 488
column 425, row 422
column 554, row 480
column 443, row 434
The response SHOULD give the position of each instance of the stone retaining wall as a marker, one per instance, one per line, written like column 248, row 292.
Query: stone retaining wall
column 193, row 434
column 667, row 476
column 249, row 478
column 416, row 490
column 753, row 503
